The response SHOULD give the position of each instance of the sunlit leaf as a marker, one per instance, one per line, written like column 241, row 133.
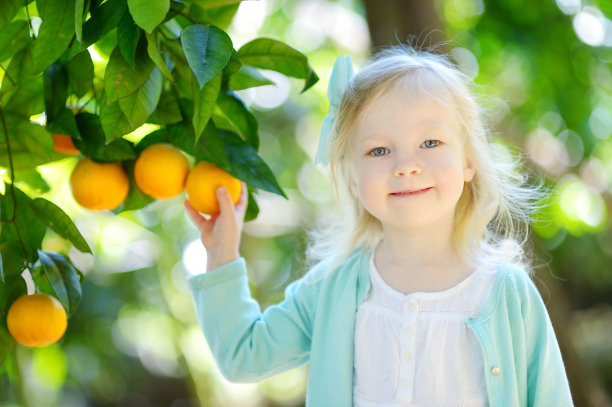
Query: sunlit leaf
column 203, row 104
column 156, row 56
column 55, row 32
column 252, row 209
column 94, row 141
column 55, row 218
column 140, row 104
column 80, row 71
column 103, row 19
column 13, row 38
column 167, row 111
column 79, row 6
column 232, row 114
column 6, row 343
column 247, row 165
column 209, row 4
column 267, row 53
column 31, row 144
column 219, row 17
column 114, row 122
column 33, row 179
column 148, row 14
column 136, row 199
column 21, row 227
column 64, row 279
column 209, row 147
column 128, row 35
column 9, row 9
column 248, row 77
column 207, row 49
column 120, row 79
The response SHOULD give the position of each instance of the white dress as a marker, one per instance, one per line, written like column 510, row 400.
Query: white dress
column 416, row 350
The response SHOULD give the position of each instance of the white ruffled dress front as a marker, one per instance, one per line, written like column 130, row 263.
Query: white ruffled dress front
column 416, row 350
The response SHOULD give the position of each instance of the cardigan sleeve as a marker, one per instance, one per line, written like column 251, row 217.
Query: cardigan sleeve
column 249, row 345
column 547, row 383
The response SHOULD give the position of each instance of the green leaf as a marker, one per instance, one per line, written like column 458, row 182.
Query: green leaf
column 232, row 114
column 135, row 199
column 55, row 33
column 103, row 19
column 252, row 209
column 13, row 38
column 94, row 141
column 31, row 144
column 233, row 64
column 9, row 9
column 55, row 218
column 64, row 279
column 120, row 79
column 27, row 100
column 80, row 71
column 6, row 343
column 114, row 122
column 55, row 88
column 64, row 123
column 247, row 165
column 13, row 261
column 248, row 77
column 203, row 103
column 33, row 179
column 207, row 49
column 140, row 104
column 79, row 6
column 208, row 148
column 148, row 14
column 155, row 55
column 267, row 53
column 167, row 111
column 128, row 35
column 22, row 231
column 210, row 4
column 219, row 17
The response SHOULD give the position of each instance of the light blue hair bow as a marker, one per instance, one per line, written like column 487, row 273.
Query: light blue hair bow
column 338, row 81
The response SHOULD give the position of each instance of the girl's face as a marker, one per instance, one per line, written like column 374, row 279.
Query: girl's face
column 407, row 161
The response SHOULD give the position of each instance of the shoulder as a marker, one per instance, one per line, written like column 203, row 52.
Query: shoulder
column 335, row 268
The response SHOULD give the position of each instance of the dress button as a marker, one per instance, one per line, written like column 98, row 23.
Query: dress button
column 405, row 383
column 414, row 306
column 496, row 371
column 408, row 332
column 407, row 356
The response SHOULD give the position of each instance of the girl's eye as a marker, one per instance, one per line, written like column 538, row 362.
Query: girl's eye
column 431, row 143
column 378, row 152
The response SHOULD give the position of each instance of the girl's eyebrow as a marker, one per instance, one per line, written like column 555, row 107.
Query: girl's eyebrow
column 421, row 126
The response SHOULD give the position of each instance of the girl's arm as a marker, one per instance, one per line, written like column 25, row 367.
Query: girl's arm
column 247, row 344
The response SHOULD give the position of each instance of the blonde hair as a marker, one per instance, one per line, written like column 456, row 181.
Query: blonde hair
column 492, row 215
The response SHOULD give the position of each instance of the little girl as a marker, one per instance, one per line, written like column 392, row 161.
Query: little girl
column 419, row 295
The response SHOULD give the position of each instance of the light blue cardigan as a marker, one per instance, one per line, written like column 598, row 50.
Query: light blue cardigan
column 315, row 324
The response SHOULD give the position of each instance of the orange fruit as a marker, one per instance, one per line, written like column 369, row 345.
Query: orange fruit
column 202, row 183
column 63, row 144
column 36, row 320
column 160, row 171
column 99, row 186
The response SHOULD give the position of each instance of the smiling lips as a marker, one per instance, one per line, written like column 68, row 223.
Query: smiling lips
column 411, row 193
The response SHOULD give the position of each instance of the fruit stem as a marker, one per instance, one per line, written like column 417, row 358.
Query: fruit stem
column 12, row 187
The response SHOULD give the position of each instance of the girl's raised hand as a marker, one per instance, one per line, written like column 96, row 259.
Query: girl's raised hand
column 221, row 233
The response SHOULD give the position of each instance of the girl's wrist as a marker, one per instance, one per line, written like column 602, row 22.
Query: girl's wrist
column 218, row 261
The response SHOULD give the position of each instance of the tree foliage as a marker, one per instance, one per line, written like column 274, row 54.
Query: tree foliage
column 168, row 63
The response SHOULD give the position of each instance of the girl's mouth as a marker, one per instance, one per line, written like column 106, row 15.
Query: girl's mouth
column 411, row 193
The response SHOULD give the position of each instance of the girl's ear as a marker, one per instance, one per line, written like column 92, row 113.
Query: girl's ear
column 468, row 170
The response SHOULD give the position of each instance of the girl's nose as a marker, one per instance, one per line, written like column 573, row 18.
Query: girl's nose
column 408, row 167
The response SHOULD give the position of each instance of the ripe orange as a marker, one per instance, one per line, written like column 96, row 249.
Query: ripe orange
column 36, row 320
column 63, row 144
column 161, row 170
column 99, row 186
column 202, row 183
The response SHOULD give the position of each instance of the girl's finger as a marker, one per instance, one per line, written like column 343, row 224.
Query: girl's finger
column 195, row 216
column 225, row 202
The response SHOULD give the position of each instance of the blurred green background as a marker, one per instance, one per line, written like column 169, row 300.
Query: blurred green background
column 544, row 69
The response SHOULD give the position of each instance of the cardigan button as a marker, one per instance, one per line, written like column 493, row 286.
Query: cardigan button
column 496, row 371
